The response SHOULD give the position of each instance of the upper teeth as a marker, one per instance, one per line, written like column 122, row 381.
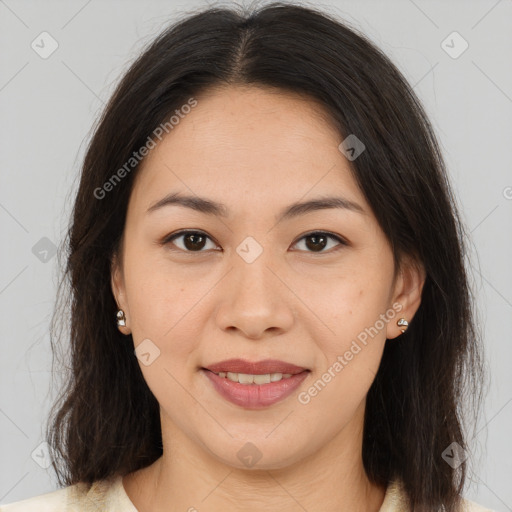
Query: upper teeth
column 245, row 378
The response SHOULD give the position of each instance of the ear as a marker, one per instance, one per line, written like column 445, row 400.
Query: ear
column 119, row 292
column 407, row 292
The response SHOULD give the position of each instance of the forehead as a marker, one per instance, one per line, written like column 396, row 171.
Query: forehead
column 242, row 144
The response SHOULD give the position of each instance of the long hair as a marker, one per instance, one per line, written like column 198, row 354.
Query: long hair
column 106, row 420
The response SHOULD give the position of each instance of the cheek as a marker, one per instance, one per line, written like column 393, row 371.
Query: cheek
column 355, row 309
column 352, row 301
column 166, row 308
column 350, row 357
column 159, row 299
column 162, row 311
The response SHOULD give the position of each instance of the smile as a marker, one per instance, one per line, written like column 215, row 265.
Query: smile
column 252, row 391
column 246, row 378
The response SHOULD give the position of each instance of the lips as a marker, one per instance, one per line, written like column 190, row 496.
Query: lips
column 255, row 396
column 255, row 368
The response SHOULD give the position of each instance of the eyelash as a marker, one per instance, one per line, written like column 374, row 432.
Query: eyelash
column 342, row 242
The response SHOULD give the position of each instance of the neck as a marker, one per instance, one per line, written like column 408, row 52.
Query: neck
column 188, row 478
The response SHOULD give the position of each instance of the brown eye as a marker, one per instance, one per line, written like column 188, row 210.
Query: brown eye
column 192, row 241
column 319, row 240
column 316, row 242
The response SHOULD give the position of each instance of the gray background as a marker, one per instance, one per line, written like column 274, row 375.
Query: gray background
column 48, row 107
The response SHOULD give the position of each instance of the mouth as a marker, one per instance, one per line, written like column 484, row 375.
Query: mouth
column 255, row 385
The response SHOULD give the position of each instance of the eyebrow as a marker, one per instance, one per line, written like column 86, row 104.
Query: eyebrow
column 209, row 207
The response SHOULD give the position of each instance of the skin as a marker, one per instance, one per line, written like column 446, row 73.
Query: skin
column 257, row 151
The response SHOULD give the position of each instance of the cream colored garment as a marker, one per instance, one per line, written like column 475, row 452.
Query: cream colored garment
column 110, row 496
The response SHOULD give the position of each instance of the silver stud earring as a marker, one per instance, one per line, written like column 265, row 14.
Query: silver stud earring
column 121, row 319
column 403, row 323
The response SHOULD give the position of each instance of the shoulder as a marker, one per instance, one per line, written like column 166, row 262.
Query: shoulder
column 395, row 501
column 81, row 497
column 55, row 501
column 470, row 506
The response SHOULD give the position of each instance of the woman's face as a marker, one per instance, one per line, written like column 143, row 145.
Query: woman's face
column 251, row 285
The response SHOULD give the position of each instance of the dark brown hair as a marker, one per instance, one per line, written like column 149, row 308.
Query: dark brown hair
column 106, row 420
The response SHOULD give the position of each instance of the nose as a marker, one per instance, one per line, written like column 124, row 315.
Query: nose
column 254, row 299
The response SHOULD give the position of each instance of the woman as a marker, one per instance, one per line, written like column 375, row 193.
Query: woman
column 269, row 304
